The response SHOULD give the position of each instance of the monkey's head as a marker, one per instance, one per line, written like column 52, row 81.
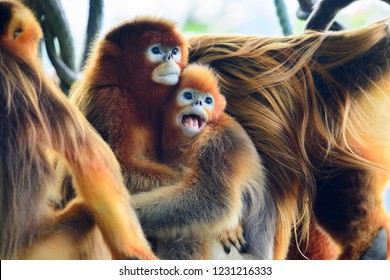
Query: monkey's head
column 197, row 101
column 150, row 50
column 19, row 30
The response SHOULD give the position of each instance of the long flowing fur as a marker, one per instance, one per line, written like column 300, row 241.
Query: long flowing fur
column 29, row 130
column 38, row 125
column 31, row 138
column 313, row 104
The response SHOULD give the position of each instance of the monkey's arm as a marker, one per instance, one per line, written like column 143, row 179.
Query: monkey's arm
column 98, row 180
column 145, row 175
column 209, row 198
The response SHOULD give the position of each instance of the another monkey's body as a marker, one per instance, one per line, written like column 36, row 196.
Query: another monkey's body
column 38, row 124
column 223, row 185
column 317, row 108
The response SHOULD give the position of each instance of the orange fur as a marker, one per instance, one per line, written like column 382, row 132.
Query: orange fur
column 315, row 105
column 21, row 33
column 202, row 78
column 320, row 246
column 121, row 94
column 222, row 185
column 38, row 124
column 122, row 103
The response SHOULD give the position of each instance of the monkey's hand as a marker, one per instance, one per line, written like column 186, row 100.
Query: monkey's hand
column 233, row 237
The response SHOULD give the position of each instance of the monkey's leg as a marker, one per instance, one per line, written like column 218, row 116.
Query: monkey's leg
column 70, row 234
column 99, row 183
column 349, row 206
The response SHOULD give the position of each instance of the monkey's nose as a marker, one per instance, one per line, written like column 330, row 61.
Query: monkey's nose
column 169, row 56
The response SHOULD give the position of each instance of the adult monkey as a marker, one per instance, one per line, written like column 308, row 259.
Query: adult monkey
column 321, row 18
column 317, row 108
column 125, row 80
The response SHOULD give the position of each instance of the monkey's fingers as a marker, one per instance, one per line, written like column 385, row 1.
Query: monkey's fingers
column 233, row 237
column 224, row 239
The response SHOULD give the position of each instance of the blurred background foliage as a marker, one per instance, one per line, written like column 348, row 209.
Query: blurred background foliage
column 71, row 25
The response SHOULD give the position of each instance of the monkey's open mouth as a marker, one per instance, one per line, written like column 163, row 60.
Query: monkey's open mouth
column 193, row 121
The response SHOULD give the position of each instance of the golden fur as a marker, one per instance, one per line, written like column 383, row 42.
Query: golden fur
column 37, row 125
column 120, row 98
column 317, row 107
column 222, row 185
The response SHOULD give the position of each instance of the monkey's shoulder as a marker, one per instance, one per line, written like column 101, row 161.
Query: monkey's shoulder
column 226, row 135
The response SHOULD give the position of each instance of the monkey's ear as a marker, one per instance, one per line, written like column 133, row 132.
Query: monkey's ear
column 220, row 105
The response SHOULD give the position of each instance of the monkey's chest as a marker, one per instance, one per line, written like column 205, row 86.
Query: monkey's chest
column 145, row 143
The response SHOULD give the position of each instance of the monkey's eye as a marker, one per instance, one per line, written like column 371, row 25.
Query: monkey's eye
column 175, row 51
column 208, row 100
column 18, row 31
column 187, row 95
column 155, row 50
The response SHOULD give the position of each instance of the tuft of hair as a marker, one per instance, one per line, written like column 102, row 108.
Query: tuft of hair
column 146, row 29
